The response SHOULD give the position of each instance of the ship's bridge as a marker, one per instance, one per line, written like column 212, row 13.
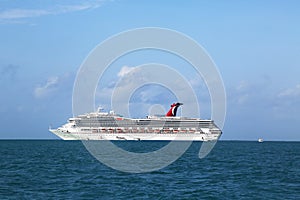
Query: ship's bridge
column 72, row 120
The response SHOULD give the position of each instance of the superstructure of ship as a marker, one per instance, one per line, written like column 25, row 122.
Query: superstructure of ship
column 101, row 125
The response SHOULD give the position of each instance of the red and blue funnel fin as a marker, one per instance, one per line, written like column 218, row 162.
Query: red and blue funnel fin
column 173, row 110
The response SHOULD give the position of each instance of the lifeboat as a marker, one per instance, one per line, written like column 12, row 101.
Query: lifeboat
column 134, row 130
column 110, row 130
column 94, row 130
column 150, row 130
column 166, row 130
column 119, row 130
column 156, row 131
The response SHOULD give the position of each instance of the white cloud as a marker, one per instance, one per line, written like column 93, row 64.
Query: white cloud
column 22, row 13
column 59, row 85
column 143, row 85
column 79, row 7
column 243, row 85
column 125, row 71
column 43, row 90
column 290, row 92
column 286, row 103
column 126, row 74
column 197, row 82
column 242, row 99
column 242, row 93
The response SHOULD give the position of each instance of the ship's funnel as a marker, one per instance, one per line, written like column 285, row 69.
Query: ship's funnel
column 173, row 110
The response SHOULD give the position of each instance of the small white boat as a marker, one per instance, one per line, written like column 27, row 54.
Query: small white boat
column 260, row 140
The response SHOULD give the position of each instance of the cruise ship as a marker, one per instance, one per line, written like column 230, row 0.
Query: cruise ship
column 101, row 125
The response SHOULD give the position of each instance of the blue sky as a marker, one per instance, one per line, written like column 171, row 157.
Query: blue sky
column 255, row 44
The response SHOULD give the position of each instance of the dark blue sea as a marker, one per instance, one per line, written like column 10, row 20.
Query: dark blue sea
column 54, row 169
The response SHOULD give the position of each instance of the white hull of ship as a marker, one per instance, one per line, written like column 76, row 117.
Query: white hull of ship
column 196, row 136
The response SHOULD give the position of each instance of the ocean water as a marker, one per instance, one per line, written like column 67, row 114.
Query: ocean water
column 233, row 170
